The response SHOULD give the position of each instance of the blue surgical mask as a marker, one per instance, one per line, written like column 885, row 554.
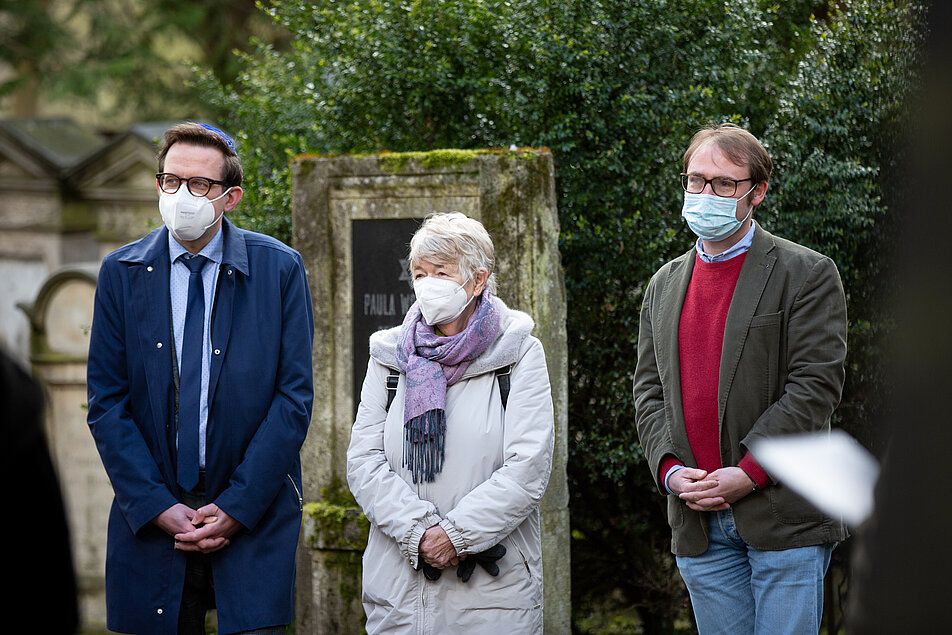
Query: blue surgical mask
column 713, row 217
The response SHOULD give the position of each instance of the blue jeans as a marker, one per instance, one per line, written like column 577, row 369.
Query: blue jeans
column 738, row 590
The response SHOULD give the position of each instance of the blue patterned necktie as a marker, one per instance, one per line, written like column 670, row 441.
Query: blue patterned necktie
column 190, row 376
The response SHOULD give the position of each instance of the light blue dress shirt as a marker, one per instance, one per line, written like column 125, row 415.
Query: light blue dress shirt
column 741, row 247
column 178, row 291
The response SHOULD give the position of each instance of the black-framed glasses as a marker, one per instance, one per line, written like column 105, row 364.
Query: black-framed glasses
column 720, row 185
column 197, row 185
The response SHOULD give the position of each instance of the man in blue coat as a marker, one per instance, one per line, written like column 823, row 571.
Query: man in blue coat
column 200, row 392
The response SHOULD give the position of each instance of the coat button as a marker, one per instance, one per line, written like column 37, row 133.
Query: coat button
column 149, row 268
column 160, row 611
column 218, row 351
column 158, row 345
column 229, row 272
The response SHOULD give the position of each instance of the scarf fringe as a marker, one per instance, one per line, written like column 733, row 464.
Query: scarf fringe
column 424, row 445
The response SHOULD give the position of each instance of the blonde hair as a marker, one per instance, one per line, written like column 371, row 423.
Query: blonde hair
column 454, row 238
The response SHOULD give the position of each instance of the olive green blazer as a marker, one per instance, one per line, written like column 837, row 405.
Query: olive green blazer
column 781, row 372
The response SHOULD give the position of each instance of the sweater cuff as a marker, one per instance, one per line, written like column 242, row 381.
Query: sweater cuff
column 756, row 473
column 455, row 536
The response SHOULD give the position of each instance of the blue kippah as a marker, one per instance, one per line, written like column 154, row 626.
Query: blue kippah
column 228, row 141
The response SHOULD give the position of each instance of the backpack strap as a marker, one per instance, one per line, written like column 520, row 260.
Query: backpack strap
column 393, row 379
column 502, row 376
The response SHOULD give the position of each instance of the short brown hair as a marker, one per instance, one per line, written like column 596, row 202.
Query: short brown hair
column 207, row 137
column 740, row 146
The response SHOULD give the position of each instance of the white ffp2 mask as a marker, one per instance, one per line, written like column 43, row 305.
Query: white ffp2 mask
column 441, row 301
column 188, row 216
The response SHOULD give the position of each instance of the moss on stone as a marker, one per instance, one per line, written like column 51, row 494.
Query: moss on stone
column 396, row 162
column 436, row 160
column 337, row 521
column 337, row 526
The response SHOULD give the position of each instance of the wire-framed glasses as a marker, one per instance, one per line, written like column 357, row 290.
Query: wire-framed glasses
column 720, row 185
column 197, row 185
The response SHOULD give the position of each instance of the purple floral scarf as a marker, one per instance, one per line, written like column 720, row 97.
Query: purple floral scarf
column 431, row 363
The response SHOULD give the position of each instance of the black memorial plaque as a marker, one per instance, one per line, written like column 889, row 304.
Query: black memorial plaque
column 382, row 287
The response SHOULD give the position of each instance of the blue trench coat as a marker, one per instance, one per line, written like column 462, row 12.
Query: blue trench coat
column 260, row 396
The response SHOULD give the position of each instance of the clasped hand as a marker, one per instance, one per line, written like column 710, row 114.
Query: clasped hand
column 705, row 492
column 206, row 529
column 437, row 549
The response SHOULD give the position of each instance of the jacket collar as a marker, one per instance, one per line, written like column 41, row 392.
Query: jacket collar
column 236, row 251
column 155, row 246
column 763, row 243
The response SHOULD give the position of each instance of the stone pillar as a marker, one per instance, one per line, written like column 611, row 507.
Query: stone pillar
column 382, row 199
column 60, row 319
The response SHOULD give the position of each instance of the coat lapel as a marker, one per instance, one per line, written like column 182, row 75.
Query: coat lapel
column 221, row 324
column 756, row 271
column 234, row 264
column 666, row 326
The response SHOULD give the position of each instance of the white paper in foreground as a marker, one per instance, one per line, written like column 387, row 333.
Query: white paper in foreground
column 832, row 471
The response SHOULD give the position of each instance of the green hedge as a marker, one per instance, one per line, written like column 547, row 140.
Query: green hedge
column 615, row 88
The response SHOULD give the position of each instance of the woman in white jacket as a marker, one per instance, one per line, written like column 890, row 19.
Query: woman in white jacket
column 448, row 474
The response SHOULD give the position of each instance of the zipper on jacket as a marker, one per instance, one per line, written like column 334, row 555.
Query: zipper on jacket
column 525, row 562
column 297, row 492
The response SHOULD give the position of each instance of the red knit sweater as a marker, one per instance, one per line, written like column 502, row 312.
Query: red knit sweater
column 700, row 340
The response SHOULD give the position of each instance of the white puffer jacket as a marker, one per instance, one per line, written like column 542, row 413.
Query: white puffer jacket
column 494, row 475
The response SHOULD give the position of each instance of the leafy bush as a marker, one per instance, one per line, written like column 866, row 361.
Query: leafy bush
column 839, row 137
column 615, row 88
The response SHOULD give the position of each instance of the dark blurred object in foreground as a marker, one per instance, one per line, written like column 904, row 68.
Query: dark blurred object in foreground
column 902, row 560
column 37, row 563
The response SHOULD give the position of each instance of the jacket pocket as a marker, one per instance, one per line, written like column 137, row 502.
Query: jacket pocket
column 766, row 320
column 518, row 585
column 790, row 508
column 522, row 557
column 296, row 491
column 534, row 579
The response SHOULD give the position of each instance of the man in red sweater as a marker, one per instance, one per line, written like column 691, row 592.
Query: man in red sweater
column 741, row 338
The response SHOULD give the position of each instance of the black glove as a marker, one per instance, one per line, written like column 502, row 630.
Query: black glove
column 486, row 559
column 430, row 573
column 465, row 568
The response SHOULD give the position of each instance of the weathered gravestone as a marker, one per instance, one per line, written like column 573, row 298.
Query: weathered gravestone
column 352, row 221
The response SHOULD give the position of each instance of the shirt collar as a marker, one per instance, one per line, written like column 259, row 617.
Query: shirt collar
column 741, row 247
column 214, row 250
